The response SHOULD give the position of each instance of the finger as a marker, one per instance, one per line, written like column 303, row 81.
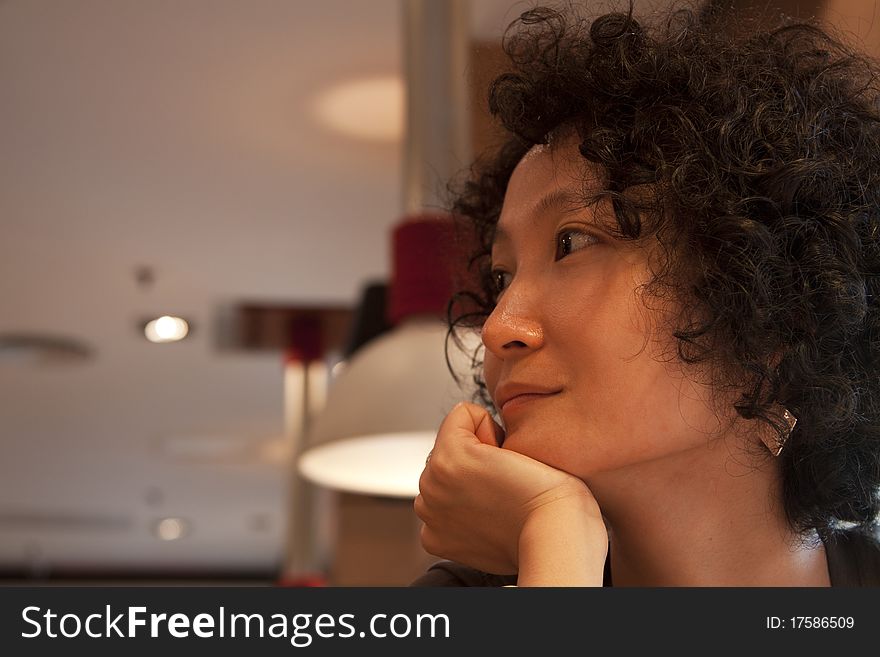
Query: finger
column 467, row 420
column 485, row 429
column 488, row 430
column 423, row 482
column 419, row 507
column 429, row 541
column 458, row 418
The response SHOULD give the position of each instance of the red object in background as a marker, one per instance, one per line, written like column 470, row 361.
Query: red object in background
column 421, row 283
column 306, row 342
column 429, row 255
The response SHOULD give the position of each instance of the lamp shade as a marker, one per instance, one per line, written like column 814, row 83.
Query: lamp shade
column 384, row 407
column 383, row 410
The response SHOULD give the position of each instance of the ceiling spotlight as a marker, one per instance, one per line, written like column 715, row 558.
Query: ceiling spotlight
column 171, row 529
column 166, row 329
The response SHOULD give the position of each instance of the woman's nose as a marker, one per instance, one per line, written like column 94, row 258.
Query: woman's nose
column 512, row 328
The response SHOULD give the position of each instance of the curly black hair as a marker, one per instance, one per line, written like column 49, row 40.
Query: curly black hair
column 754, row 157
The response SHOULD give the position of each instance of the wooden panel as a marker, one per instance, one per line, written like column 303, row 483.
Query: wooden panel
column 377, row 543
column 487, row 62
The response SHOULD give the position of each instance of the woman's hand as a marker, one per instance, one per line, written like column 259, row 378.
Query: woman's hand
column 477, row 499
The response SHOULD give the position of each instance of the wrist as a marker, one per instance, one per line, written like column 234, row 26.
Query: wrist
column 563, row 543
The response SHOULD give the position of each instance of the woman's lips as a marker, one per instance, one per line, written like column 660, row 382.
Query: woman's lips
column 523, row 400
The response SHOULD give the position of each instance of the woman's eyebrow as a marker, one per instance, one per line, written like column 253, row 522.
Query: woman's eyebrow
column 557, row 199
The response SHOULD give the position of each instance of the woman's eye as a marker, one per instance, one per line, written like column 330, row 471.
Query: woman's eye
column 500, row 280
column 569, row 241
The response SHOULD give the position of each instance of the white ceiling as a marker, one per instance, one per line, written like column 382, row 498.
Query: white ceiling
column 176, row 135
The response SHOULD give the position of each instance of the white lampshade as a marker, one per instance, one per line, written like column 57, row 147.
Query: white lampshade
column 383, row 410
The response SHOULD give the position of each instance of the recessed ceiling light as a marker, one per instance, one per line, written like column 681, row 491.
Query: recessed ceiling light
column 369, row 108
column 171, row 529
column 166, row 329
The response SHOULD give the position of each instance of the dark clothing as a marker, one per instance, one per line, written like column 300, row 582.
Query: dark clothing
column 853, row 561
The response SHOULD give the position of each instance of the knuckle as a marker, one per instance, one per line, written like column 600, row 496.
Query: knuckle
column 420, row 507
column 426, row 494
column 441, row 470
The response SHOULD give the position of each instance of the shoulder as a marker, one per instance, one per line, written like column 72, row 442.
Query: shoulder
column 450, row 573
column 853, row 558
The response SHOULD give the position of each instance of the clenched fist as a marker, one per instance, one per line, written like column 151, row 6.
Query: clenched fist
column 476, row 498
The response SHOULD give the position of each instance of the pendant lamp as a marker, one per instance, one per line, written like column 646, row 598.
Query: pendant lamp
column 383, row 409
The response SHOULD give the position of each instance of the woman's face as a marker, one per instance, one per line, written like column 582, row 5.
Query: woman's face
column 575, row 362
